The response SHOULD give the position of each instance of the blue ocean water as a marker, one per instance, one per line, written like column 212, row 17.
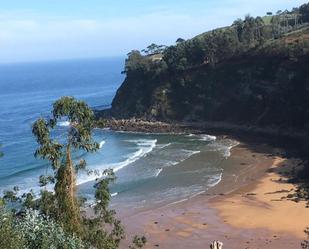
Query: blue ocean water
column 150, row 168
column 27, row 92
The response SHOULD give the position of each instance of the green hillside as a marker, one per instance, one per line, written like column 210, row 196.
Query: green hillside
column 248, row 73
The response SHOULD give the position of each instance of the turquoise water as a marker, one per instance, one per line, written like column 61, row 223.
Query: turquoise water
column 149, row 167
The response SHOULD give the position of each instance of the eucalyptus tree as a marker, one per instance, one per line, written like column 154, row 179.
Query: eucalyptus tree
column 239, row 25
column 102, row 230
column 66, row 206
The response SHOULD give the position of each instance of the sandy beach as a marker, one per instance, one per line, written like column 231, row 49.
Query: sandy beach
column 245, row 210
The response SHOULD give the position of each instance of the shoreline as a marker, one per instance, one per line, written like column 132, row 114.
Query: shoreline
column 215, row 214
column 264, row 203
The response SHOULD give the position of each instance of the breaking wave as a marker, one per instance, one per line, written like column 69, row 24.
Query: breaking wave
column 145, row 147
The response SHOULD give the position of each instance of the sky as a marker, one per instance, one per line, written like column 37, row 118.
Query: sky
column 42, row 30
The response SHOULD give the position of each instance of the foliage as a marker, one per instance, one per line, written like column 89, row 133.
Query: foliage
column 220, row 44
column 138, row 242
column 98, row 237
column 42, row 232
column 10, row 238
column 30, row 230
column 66, row 206
column 154, row 49
column 304, row 11
column 179, row 40
column 102, row 230
column 239, row 66
column 305, row 243
column 137, row 62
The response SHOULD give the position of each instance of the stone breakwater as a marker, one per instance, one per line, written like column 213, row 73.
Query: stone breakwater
column 139, row 125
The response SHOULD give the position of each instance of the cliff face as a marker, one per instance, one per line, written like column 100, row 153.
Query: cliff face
column 265, row 85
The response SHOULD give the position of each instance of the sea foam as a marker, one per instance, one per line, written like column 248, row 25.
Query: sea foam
column 202, row 137
column 145, row 146
column 101, row 144
column 64, row 123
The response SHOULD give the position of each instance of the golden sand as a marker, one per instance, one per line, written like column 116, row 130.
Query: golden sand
column 265, row 206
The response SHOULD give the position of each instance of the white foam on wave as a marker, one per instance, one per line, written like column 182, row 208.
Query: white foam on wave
column 131, row 159
column 208, row 138
column 162, row 146
column 187, row 154
column 101, row 144
column 227, row 152
column 158, row 172
column 224, row 147
column 216, row 180
column 64, row 123
column 145, row 147
column 190, row 135
column 177, row 202
column 114, row 194
column 197, row 194
column 203, row 137
column 190, row 153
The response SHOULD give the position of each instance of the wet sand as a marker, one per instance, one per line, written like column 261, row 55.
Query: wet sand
column 245, row 210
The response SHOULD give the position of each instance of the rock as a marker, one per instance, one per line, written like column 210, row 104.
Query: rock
column 138, row 125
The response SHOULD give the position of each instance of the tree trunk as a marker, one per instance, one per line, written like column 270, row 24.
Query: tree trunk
column 65, row 194
column 216, row 245
column 71, row 174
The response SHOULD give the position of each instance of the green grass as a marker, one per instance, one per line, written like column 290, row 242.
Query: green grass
column 267, row 19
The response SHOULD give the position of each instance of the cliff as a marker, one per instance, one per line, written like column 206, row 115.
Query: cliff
column 250, row 74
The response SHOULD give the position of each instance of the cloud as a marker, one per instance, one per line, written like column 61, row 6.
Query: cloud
column 26, row 36
column 43, row 39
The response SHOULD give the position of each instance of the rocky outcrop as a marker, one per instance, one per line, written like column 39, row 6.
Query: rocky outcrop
column 140, row 125
column 267, row 86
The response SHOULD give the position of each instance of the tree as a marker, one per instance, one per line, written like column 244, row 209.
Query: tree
column 78, row 137
column 180, row 40
column 9, row 237
column 249, row 30
column 154, row 49
column 239, row 24
column 304, row 12
column 136, row 61
column 259, row 26
column 101, row 231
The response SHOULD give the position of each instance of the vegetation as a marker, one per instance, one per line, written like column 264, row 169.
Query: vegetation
column 250, row 73
column 253, row 72
column 58, row 221
column 66, row 205
column 9, row 236
column 33, row 230
column 305, row 243
column 154, row 49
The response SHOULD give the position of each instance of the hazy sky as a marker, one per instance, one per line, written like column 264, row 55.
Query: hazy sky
column 32, row 30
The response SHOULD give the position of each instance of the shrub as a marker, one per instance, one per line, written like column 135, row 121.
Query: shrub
column 31, row 230
column 9, row 236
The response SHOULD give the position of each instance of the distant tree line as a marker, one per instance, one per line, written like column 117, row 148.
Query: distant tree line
column 212, row 47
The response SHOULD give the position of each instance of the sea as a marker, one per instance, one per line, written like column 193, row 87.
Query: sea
column 151, row 169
